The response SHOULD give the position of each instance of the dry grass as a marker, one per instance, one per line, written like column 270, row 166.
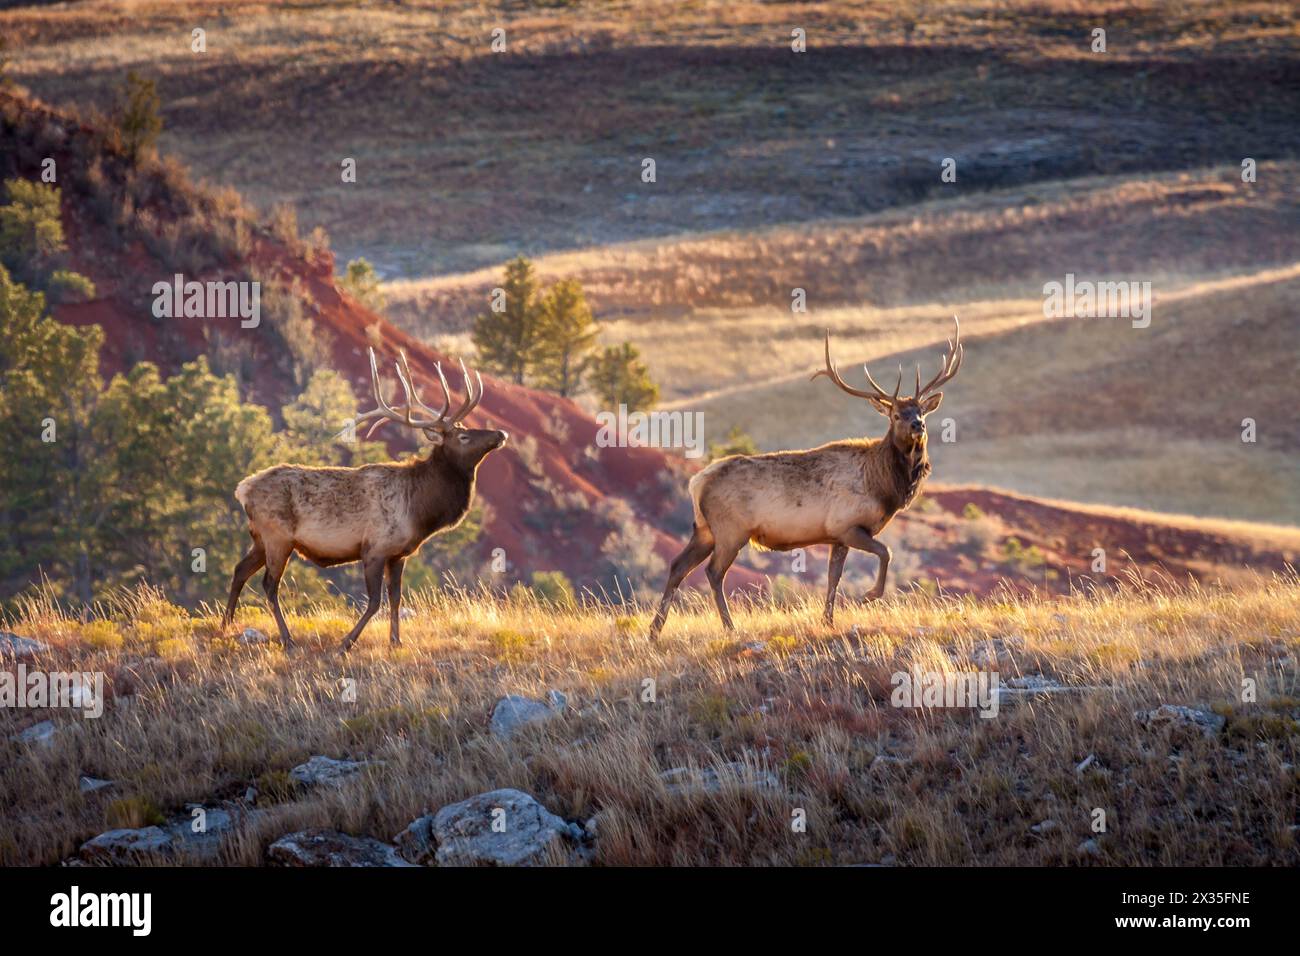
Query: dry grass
column 195, row 718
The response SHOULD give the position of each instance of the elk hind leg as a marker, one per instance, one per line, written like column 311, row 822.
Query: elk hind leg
column 249, row 565
column 723, row 556
column 395, row 567
column 859, row 539
column 697, row 549
column 373, row 569
column 834, row 568
column 276, row 559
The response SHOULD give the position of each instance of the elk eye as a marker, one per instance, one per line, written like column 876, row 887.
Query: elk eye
column 464, row 439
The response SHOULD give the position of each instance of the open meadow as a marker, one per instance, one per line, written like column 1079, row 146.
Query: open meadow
column 699, row 749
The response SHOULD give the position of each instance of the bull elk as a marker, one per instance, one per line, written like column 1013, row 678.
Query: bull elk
column 842, row 493
column 377, row 514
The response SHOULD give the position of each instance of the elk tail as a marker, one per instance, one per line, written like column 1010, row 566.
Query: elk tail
column 242, row 489
column 699, row 481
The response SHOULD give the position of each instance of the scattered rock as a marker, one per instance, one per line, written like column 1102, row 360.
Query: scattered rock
column 1089, row 847
column 1085, row 763
column 250, row 795
column 20, row 648
column 128, row 847
column 322, row 771
column 512, row 713
column 1046, row 826
column 1036, row 686
column 529, row 834
column 42, row 733
column 1178, row 717
column 201, row 845
column 320, row 847
column 252, row 635
column 92, row 784
column 682, row 780
column 416, row 844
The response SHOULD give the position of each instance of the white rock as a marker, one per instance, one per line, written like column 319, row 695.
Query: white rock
column 1089, row 847
column 322, row 771
column 683, row 780
column 1046, row 826
column 329, row 848
column 203, row 845
column 42, row 733
column 1178, row 716
column 512, row 713
column 20, row 648
column 252, row 635
column 91, row 784
column 1085, row 763
column 527, row 834
column 126, row 847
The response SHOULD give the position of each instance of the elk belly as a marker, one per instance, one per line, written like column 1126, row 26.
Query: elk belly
column 327, row 545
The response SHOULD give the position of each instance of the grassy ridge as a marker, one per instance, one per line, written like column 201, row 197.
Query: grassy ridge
column 193, row 716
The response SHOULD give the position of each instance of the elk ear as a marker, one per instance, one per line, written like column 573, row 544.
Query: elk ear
column 931, row 402
column 879, row 404
column 434, row 436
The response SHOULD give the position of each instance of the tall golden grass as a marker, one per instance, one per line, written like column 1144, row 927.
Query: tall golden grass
column 194, row 716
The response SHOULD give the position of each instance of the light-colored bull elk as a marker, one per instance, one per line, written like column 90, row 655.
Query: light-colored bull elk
column 842, row 493
column 377, row 514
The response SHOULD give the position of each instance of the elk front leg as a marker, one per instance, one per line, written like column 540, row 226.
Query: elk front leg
column 374, row 572
column 696, row 550
column 834, row 568
column 860, row 540
column 247, row 567
column 395, row 567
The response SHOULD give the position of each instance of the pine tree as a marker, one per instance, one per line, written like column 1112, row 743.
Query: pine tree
column 138, row 118
column 505, row 340
column 619, row 377
column 566, row 337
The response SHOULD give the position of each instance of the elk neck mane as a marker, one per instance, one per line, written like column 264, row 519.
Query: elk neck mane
column 903, row 472
column 441, row 489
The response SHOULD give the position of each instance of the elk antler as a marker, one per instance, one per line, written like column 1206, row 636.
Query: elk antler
column 949, row 365
column 833, row 374
column 385, row 413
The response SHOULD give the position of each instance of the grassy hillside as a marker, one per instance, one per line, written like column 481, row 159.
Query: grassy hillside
column 192, row 717
column 467, row 157
column 890, row 281
column 1094, row 410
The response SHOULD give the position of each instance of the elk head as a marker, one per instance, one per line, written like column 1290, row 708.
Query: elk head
column 463, row 446
column 906, row 415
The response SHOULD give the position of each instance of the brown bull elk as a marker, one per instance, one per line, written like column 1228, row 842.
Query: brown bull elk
column 377, row 514
column 842, row 493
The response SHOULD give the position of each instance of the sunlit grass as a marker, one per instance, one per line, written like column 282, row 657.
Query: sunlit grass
column 196, row 716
